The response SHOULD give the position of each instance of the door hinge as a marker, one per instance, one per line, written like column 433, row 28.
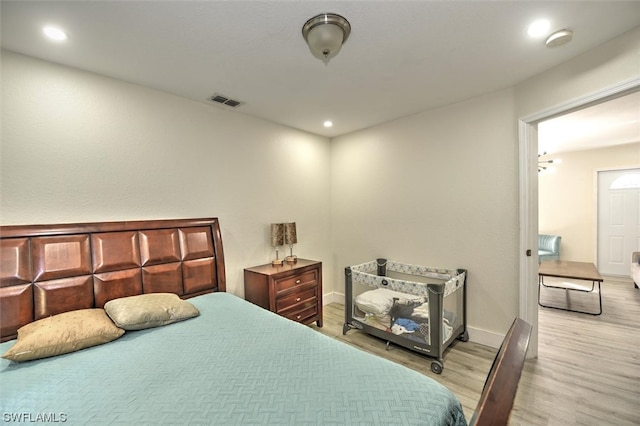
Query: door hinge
column 529, row 252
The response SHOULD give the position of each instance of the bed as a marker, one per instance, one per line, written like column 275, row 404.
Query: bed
column 408, row 305
column 231, row 363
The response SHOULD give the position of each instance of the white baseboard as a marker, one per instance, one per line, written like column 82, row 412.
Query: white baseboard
column 486, row 338
column 476, row 335
column 333, row 298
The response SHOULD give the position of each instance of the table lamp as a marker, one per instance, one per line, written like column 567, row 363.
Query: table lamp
column 290, row 238
column 277, row 239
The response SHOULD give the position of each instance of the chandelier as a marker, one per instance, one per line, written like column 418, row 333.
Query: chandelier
column 543, row 164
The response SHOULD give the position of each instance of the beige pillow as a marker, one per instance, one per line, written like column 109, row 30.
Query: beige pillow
column 63, row 333
column 149, row 310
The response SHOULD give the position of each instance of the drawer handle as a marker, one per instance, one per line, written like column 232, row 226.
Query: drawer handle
column 297, row 299
column 297, row 281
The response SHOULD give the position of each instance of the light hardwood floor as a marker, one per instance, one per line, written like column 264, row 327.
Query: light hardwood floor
column 587, row 371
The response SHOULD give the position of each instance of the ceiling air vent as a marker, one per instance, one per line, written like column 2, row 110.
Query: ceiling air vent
column 220, row 99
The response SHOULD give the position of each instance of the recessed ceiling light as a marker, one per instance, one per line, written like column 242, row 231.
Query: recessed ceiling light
column 539, row 28
column 328, row 123
column 54, row 33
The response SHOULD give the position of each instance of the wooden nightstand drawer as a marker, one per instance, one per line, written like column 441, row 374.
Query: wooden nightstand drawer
column 296, row 297
column 297, row 280
column 293, row 290
column 300, row 315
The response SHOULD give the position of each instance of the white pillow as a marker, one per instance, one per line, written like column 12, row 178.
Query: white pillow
column 380, row 300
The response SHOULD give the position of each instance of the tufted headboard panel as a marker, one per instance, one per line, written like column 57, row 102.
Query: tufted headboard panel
column 50, row 269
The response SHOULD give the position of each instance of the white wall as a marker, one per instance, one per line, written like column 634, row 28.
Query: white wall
column 81, row 147
column 567, row 197
column 436, row 189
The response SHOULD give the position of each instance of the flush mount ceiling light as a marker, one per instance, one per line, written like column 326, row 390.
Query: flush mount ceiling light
column 325, row 34
column 559, row 38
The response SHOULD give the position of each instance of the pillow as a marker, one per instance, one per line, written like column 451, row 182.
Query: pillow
column 63, row 333
column 380, row 301
column 149, row 310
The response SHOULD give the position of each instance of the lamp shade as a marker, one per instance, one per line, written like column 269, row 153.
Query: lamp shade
column 290, row 233
column 325, row 34
column 325, row 41
column 277, row 234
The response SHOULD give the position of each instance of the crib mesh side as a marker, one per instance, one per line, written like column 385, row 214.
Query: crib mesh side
column 402, row 277
column 453, row 306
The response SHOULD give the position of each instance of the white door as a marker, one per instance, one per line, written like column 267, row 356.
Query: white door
column 618, row 220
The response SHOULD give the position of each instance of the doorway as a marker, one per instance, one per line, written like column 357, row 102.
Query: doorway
column 618, row 220
column 528, row 202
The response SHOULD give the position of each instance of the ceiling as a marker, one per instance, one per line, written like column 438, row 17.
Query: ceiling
column 402, row 57
column 614, row 122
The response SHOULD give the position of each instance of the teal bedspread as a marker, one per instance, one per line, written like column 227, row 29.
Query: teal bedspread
column 234, row 364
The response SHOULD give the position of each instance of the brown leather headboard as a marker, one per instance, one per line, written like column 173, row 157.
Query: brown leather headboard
column 50, row 269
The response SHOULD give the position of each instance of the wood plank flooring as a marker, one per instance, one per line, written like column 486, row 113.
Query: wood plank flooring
column 587, row 371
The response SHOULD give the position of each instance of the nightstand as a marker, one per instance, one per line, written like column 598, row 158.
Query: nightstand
column 293, row 290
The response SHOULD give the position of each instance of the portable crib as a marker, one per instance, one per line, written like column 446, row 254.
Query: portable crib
column 408, row 305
